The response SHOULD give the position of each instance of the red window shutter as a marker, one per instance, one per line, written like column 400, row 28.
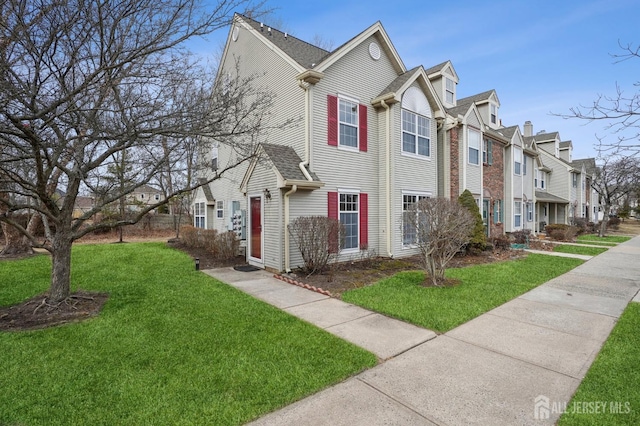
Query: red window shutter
column 362, row 117
column 364, row 221
column 332, row 124
column 332, row 213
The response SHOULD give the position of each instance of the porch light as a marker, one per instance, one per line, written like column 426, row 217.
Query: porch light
column 197, row 264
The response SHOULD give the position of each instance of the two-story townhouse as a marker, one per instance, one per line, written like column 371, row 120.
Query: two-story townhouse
column 591, row 205
column 493, row 180
column 552, row 179
column 364, row 150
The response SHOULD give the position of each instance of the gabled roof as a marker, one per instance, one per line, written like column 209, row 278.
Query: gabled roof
column 286, row 162
column 376, row 30
column 305, row 54
column 546, row 137
column 445, row 69
column 480, row 98
column 588, row 163
column 400, row 81
column 566, row 145
column 393, row 92
column 504, row 133
column 206, row 189
column 460, row 109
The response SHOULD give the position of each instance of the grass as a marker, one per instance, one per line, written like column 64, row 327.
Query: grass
column 171, row 346
column 482, row 288
column 589, row 251
column 613, row 378
column 607, row 238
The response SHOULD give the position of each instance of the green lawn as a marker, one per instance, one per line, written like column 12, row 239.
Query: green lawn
column 483, row 288
column 613, row 378
column 172, row 346
column 589, row 251
column 608, row 238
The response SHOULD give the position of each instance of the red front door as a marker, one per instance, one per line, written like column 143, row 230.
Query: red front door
column 256, row 227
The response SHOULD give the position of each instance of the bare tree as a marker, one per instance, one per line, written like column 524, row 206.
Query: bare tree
column 440, row 228
column 616, row 177
column 318, row 238
column 82, row 83
column 620, row 112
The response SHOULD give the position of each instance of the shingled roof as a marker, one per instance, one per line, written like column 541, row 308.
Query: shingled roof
column 399, row 81
column 286, row 161
column 477, row 98
column 207, row 190
column 305, row 54
column 589, row 164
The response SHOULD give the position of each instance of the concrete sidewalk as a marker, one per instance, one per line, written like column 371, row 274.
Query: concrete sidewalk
column 530, row 353
column 381, row 335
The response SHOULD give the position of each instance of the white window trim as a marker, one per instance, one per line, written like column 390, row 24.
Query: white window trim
column 426, row 194
column 345, row 191
column 493, row 108
column 219, row 208
column 517, row 155
column 469, row 147
column 415, row 154
column 357, row 102
column 515, row 214
column 529, row 208
column 203, row 214
column 446, row 90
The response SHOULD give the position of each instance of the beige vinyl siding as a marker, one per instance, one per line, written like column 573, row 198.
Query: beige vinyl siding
column 508, row 188
column 263, row 177
column 360, row 77
column 305, row 203
column 527, row 180
column 275, row 75
column 409, row 174
column 474, row 172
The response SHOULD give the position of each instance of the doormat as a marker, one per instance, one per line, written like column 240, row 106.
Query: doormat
column 246, row 268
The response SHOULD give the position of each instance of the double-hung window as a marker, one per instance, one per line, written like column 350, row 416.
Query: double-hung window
column 474, row 146
column 409, row 231
column 529, row 212
column 199, row 212
column 450, row 90
column 517, row 214
column 220, row 209
column 415, row 134
column 348, row 120
column 517, row 160
column 494, row 114
column 574, row 177
column 487, row 152
column 348, row 210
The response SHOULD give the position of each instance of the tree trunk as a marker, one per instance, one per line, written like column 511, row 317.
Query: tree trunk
column 61, row 268
column 603, row 222
column 14, row 243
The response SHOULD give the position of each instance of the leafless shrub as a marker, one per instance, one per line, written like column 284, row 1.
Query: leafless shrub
column 226, row 245
column 442, row 228
column 318, row 239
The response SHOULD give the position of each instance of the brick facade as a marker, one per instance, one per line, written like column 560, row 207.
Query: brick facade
column 493, row 183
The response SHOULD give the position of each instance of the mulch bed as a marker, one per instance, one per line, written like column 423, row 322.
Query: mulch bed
column 38, row 312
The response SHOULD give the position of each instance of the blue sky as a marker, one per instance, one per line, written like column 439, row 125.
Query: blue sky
column 541, row 57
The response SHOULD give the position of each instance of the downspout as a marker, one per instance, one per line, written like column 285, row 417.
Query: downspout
column 388, row 175
column 287, row 243
column 307, row 138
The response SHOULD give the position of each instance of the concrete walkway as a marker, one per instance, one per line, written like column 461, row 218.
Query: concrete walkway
column 560, row 254
column 513, row 365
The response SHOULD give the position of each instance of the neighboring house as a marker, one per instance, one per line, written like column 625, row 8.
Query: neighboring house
column 591, row 203
column 365, row 149
column 142, row 197
column 82, row 206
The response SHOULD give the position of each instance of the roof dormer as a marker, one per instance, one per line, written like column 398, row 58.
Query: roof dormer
column 445, row 80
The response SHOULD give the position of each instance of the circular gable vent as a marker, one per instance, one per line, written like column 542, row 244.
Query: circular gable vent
column 234, row 33
column 374, row 50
